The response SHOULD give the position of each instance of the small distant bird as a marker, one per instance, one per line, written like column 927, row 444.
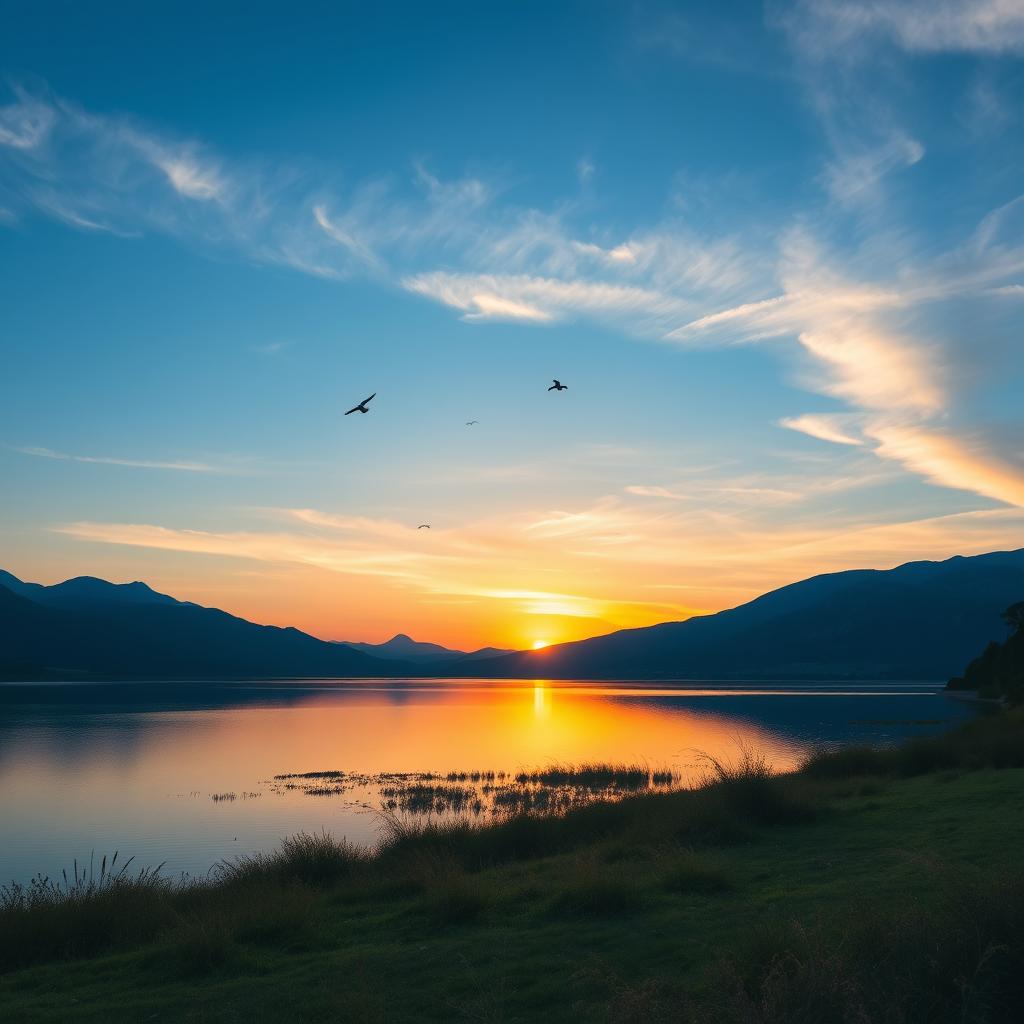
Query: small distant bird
column 558, row 386
column 361, row 407
column 424, row 526
column 471, row 423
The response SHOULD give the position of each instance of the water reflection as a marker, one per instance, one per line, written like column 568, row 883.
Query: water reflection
column 134, row 767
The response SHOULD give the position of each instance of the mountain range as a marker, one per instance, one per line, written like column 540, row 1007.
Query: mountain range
column 403, row 648
column 922, row 620
column 89, row 628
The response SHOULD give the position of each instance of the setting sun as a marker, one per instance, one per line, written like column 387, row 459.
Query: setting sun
column 538, row 644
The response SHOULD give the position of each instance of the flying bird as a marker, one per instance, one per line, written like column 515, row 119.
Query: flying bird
column 558, row 386
column 424, row 526
column 471, row 423
column 361, row 407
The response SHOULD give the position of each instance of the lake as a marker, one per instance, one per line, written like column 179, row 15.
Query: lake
column 184, row 774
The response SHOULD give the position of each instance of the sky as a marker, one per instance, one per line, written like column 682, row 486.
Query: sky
column 776, row 251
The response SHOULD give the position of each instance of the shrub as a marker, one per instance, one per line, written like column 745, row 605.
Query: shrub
column 959, row 958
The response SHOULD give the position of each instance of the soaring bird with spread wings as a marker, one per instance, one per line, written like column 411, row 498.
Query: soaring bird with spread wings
column 361, row 407
column 558, row 386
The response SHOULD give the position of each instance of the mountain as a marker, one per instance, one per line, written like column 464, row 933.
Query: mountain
column 85, row 592
column 93, row 629
column 405, row 648
column 922, row 620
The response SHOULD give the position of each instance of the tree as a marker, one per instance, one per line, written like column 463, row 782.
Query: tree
column 1014, row 617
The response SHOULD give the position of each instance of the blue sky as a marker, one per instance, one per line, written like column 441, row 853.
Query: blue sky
column 775, row 250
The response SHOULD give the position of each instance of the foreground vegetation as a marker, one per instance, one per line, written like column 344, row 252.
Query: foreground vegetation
column 871, row 886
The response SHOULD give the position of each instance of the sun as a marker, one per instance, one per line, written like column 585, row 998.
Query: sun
column 538, row 644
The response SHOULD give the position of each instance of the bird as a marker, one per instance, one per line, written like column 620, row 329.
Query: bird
column 361, row 407
column 470, row 423
column 558, row 386
column 423, row 526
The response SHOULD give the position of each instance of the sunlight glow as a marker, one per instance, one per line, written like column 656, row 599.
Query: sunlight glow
column 538, row 644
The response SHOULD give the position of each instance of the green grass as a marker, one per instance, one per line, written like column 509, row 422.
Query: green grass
column 871, row 886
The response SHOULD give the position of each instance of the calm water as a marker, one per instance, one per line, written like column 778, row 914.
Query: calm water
column 134, row 767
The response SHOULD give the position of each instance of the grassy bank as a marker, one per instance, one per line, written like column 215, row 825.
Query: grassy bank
column 871, row 886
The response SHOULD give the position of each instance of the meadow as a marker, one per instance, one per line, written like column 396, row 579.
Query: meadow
column 870, row 885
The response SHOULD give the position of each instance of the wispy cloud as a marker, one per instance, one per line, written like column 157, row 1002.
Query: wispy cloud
column 25, row 123
column 490, row 296
column 856, row 171
column 823, row 427
column 183, row 466
column 273, row 348
column 189, row 177
column 960, row 462
column 923, row 26
column 861, row 327
column 860, row 356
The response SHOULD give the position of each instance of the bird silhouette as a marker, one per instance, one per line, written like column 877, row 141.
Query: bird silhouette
column 424, row 526
column 361, row 407
column 471, row 423
column 558, row 386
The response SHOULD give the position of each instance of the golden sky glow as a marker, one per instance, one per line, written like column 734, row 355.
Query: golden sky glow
column 563, row 575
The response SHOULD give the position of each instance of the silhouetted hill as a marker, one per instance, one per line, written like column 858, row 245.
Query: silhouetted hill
column 405, row 648
column 998, row 673
column 922, row 620
column 88, row 591
column 94, row 629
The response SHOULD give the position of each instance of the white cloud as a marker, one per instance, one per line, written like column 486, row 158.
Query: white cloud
column 923, row 26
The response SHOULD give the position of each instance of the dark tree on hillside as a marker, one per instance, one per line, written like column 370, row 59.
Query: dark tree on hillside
column 1014, row 617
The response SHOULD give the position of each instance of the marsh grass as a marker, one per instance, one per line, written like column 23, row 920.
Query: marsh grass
column 268, row 897
column 555, row 789
column 97, row 908
column 309, row 858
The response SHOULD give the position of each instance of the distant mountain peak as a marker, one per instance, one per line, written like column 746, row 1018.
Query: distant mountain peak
column 401, row 645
